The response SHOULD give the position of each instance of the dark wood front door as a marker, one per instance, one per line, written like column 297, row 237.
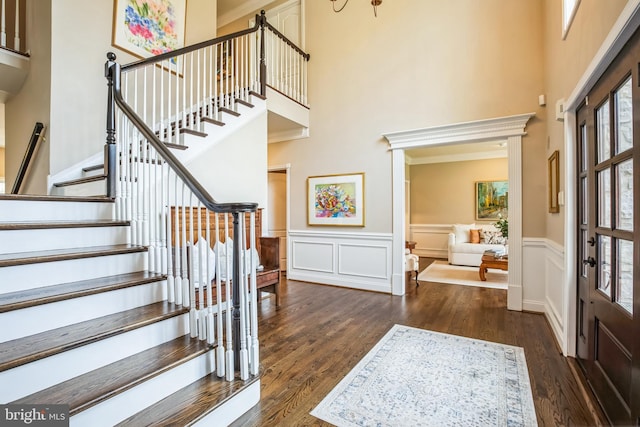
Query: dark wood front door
column 608, row 266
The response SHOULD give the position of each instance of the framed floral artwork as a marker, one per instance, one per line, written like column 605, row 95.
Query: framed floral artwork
column 336, row 200
column 146, row 28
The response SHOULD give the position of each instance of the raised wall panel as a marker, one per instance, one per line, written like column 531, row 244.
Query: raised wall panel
column 313, row 256
column 354, row 260
column 364, row 261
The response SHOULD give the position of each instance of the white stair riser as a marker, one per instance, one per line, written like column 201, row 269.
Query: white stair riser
column 124, row 405
column 30, row 210
column 43, row 373
column 95, row 188
column 21, row 277
column 94, row 172
column 233, row 408
column 33, row 320
column 31, row 240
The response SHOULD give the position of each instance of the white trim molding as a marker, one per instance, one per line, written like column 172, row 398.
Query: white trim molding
column 510, row 129
column 479, row 130
column 353, row 260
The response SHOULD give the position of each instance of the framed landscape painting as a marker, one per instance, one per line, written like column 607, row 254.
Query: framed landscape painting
column 146, row 28
column 336, row 200
column 492, row 200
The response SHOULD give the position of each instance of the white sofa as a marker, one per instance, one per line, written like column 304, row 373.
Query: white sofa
column 463, row 252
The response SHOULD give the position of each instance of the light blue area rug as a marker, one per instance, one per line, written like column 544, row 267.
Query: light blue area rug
column 415, row 377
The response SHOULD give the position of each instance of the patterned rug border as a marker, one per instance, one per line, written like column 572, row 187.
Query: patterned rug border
column 324, row 412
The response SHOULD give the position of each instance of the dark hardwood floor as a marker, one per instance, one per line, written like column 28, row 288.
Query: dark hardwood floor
column 321, row 332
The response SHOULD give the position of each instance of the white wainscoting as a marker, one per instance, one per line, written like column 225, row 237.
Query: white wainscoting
column 353, row 260
column 431, row 239
column 543, row 282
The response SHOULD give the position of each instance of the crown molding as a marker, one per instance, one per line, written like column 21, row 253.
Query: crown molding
column 479, row 130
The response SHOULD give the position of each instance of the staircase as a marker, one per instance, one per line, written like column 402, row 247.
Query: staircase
column 85, row 323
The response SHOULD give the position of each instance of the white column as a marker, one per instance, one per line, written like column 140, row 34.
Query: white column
column 397, row 246
column 514, row 150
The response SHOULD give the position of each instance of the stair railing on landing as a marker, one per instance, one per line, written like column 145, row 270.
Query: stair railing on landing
column 157, row 194
column 159, row 99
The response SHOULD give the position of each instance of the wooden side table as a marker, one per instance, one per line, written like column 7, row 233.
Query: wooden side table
column 490, row 260
column 410, row 245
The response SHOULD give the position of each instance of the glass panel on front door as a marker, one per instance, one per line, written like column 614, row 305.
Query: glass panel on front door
column 624, row 117
column 624, row 194
column 604, row 284
column 603, row 136
column 604, row 198
column 624, row 290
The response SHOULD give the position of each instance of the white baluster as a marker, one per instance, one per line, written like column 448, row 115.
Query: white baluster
column 194, row 258
column 255, row 344
column 3, row 26
column 171, row 287
column 220, row 350
column 16, row 40
column 228, row 318
column 178, row 280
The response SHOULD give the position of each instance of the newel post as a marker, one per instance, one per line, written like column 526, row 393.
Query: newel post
column 235, row 289
column 263, row 63
column 112, row 73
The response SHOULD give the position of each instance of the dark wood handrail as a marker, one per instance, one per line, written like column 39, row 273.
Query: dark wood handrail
column 187, row 49
column 26, row 161
column 113, row 76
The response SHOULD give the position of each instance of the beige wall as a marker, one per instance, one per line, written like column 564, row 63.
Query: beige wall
column 421, row 63
column 1, row 162
column 565, row 63
column 444, row 193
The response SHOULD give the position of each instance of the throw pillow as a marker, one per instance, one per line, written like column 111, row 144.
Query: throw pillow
column 221, row 250
column 494, row 238
column 474, row 235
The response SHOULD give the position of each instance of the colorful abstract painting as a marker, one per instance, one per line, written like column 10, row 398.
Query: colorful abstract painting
column 492, row 200
column 149, row 27
column 336, row 200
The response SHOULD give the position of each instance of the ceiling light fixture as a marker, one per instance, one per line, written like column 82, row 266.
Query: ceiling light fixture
column 374, row 3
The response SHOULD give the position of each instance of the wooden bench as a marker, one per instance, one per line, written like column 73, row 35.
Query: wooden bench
column 267, row 279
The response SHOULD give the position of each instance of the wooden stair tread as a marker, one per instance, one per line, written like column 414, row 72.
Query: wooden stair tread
column 55, row 198
column 229, row 111
column 34, row 347
column 83, row 180
column 243, row 102
column 212, row 121
column 175, row 146
column 93, row 168
column 89, row 389
column 189, row 404
column 22, row 258
column 32, row 225
column 193, row 132
column 48, row 294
